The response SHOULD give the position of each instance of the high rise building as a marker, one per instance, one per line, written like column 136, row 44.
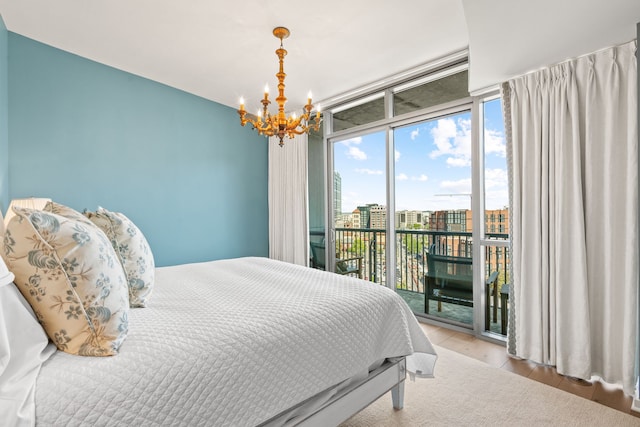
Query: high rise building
column 337, row 195
column 378, row 217
column 365, row 212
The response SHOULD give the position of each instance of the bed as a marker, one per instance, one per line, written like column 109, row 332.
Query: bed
column 240, row 342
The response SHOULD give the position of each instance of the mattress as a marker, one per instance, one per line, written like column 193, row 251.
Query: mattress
column 233, row 343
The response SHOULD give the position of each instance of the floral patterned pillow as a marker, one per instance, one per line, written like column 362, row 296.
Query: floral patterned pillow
column 69, row 273
column 133, row 251
column 66, row 212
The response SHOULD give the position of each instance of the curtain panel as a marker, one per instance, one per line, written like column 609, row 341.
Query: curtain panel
column 288, row 200
column 572, row 136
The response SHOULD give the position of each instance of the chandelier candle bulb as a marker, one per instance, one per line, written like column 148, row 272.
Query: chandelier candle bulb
column 280, row 125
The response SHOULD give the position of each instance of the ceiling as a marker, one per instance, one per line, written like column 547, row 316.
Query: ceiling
column 222, row 50
column 510, row 38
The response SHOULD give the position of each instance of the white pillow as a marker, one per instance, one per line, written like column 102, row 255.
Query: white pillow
column 133, row 252
column 67, row 270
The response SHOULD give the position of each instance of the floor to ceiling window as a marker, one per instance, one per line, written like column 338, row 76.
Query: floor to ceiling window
column 406, row 170
column 360, row 217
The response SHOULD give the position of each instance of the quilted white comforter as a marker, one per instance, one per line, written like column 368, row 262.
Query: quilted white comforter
column 232, row 343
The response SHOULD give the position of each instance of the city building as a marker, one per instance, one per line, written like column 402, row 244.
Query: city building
column 337, row 195
column 409, row 220
column 355, row 219
column 451, row 220
column 497, row 221
column 378, row 216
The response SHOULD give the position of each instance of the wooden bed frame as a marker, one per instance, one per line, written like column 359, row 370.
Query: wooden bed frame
column 348, row 402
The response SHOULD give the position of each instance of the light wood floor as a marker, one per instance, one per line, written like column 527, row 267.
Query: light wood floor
column 496, row 355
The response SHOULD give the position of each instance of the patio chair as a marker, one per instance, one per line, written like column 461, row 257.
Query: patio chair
column 345, row 266
column 317, row 255
column 448, row 279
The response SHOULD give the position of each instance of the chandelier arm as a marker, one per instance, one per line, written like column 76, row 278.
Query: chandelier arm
column 301, row 131
column 267, row 128
column 258, row 125
column 294, row 123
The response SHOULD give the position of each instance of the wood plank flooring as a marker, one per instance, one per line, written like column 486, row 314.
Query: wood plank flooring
column 495, row 355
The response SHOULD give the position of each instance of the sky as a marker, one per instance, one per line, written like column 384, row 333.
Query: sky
column 432, row 162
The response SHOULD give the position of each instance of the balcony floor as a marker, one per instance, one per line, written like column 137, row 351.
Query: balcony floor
column 454, row 312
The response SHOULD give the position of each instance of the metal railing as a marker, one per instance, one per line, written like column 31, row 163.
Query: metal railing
column 412, row 246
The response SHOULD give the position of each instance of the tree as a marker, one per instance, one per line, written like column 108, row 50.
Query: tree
column 357, row 247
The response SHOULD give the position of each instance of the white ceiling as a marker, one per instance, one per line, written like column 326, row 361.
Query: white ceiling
column 221, row 50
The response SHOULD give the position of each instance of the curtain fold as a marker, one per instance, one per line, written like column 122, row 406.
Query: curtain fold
column 572, row 137
column 288, row 200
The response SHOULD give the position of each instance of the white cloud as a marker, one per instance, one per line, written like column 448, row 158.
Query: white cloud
column 353, row 152
column 453, row 139
column 447, row 203
column 397, row 155
column 442, row 135
column 494, row 142
column 496, row 199
column 496, row 178
column 496, row 195
column 369, row 171
column 458, row 161
column 415, row 133
column 356, row 153
column 350, row 141
column 461, row 186
column 405, row 177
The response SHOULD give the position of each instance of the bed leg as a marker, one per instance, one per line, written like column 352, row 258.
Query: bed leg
column 397, row 395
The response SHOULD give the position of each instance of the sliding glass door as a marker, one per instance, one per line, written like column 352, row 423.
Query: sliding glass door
column 433, row 220
column 494, row 203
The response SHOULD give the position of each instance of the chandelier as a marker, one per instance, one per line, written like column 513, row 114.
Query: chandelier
column 279, row 124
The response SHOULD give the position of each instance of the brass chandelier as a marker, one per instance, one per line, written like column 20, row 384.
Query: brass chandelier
column 279, row 124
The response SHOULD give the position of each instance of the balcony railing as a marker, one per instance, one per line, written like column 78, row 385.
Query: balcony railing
column 412, row 247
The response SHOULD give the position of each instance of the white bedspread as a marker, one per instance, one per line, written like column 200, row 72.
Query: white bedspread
column 232, row 343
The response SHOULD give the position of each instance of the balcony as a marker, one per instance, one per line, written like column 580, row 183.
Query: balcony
column 412, row 268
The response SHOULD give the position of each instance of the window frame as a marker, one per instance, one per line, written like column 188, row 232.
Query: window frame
column 473, row 103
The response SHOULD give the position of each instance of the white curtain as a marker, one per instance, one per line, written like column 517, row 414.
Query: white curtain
column 288, row 200
column 572, row 136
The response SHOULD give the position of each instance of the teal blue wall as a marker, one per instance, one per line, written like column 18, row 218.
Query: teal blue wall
column 4, row 118
column 181, row 167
